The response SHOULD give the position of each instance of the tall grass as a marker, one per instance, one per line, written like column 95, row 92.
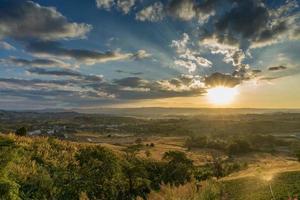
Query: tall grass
column 206, row 190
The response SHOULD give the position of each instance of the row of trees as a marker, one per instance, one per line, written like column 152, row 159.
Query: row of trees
column 233, row 147
column 238, row 144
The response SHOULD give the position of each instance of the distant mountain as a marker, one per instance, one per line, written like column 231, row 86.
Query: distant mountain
column 158, row 111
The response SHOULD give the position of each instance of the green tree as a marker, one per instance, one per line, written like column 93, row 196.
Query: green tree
column 136, row 178
column 100, row 173
column 21, row 131
column 179, row 168
column 239, row 147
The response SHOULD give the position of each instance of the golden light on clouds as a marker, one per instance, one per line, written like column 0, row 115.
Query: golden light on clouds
column 221, row 95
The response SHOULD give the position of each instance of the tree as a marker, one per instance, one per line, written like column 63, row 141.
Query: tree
column 239, row 147
column 100, row 173
column 136, row 177
column 21, row 131
column 179, row 168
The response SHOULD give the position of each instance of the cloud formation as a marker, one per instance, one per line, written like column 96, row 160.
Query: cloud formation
column 277, row 68
column 153, row 13
column 34, row 62
column 66, row 72
column 124, row 5
column 187, row 57
column 219, row 79
column 26, row 19
column 88, row 57
column 252, row 24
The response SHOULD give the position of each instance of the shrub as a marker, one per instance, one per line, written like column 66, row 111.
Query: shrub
column 179, row 168
column 21, row 131
column 239, row 147
column 9, row 189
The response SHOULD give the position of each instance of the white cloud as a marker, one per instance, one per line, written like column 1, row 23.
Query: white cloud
column 125, row 5
column 187, row 57
column 232, row 54
column 106, row 4
column 151, row 13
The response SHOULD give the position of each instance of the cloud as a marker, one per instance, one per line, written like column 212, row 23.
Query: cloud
column 187, row 57
column 190, row 9
column 6, row 46
column 35, row 62
column 277, row 72
column 88, row 57
column 141, row 54
column 239, row 26
column 182, row 9
column 132, row 73
column 66, row 72
column 183, row 84
column 277, row 68
column 87, row 89
column 137, row 88
column 124, row 5
column 256, row 71
column 131, row 82
column 232, row 54
column 153, row 13
column 219, row 79
column 27, row 19
column 252, row 24
column 106, row 4
column 59, row 91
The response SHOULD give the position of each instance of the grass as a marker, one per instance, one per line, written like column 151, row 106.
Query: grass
column 249, row 188
column 284, row 185
column 209, row 190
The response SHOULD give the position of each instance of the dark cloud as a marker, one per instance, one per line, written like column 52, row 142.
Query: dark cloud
column 219, row 79
column 131, row 82
column 83, row 89
column 132, row 73
column 256, row 71
column 65, row 72
column 277, row 68
column 86, row 56
column 251, row 23
column 35, row 62
column 21, row 19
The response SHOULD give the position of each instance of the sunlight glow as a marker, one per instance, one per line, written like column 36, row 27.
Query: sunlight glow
column 221, row 95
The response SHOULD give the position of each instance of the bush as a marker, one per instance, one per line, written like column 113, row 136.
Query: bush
column 21, row 131
column 179, row 168
column 9, row 190
column 239, row 147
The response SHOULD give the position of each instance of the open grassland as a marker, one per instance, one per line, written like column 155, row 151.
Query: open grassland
column 283, row 185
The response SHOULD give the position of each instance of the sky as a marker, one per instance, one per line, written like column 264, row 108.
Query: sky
column 90, row 54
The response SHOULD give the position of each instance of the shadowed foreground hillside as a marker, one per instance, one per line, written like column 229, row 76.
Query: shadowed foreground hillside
column 46, row 168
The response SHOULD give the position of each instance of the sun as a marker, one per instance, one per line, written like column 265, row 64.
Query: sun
column 221, row 95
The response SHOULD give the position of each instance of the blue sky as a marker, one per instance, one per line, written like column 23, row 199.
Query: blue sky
column 95, row 53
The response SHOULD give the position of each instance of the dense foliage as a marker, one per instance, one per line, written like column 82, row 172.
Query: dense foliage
column 46, row 168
